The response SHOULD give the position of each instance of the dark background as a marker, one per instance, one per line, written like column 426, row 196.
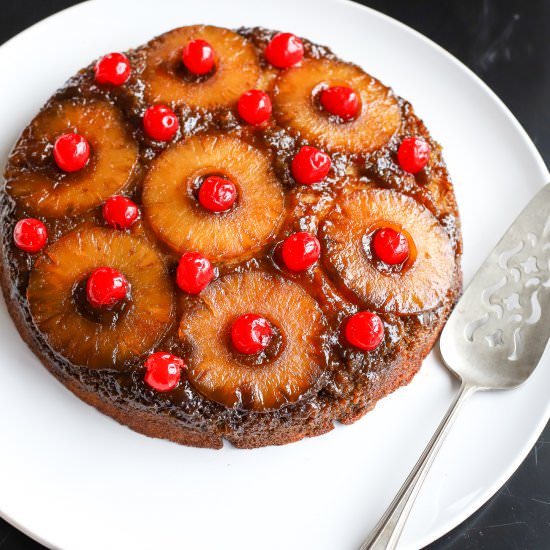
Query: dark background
column 506, row 43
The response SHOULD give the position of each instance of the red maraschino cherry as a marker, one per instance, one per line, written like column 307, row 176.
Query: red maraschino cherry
column 390, row 246
column 106, row 287
column 413, row 154
column 163, row 371
column 254, row 107
column 160, row 123
column 364, row 330
column 120, row 212
column 30, row 235
column 310, row 165
column 198, row 57
column 113, row 68
column 341, row 101
column 300, row 251
column 71, row 152
column 194, row 272
column 217, row 194
column 284, row 50
column 251, row 333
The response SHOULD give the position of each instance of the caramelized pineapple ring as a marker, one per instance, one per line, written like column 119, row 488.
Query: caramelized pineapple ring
column 101, row 342
column 221, row 374
column 172, row 209
column 296, row 105
column 425, row 278
column 45, row 190
column 236, row 68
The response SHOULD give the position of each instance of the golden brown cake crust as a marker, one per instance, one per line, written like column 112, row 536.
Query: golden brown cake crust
column 353, row 381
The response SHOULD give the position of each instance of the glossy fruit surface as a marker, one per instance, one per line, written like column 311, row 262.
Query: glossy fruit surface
column 296, row 106
column 413, row 154
column 170, row 203
column 284, row 50
column 71, row 152
column 163, row 371
column 30, row 235
column 254, row 107
column 341, row 101
column 236, row 69
column 113, row 68
column 300, row 251
column 54, row 193
column 390, row 246
column 217, row 194
column 198, row 56
column 106, row 287
column 364, row 330
column 310, row 165
column 160, row 123
column 120, row 212
column 348, row 254
column 251, row 333
column 101, row 338
column 194, row 272
column 284, row 371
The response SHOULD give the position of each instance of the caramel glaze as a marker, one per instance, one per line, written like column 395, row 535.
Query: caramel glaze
column 353, row 379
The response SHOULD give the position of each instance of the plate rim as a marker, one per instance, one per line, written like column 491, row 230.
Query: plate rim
column 488, row 490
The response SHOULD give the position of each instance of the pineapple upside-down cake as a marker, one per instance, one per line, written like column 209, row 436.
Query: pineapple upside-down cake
column 229, row 235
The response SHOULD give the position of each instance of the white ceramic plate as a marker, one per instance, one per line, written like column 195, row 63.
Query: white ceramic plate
column 73, row 478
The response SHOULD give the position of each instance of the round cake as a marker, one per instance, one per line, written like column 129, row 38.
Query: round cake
column 229, row 235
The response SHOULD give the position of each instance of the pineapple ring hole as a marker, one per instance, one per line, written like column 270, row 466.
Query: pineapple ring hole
column 182, row 72
column 196, row 179
column 317, row 107
column 380, row 265
column 173, row 66
column 61, row 178
column 106, row 316
column 257, row 360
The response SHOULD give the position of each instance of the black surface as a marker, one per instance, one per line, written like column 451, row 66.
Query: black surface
column 506, row 42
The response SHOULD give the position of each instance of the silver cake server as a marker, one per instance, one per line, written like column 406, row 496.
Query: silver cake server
column 493, row 340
